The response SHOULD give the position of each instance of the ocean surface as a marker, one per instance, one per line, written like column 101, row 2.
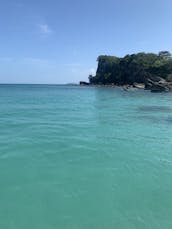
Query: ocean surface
column 76, row 157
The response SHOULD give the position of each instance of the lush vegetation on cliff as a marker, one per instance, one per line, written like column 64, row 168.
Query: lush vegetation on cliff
column 132, row 68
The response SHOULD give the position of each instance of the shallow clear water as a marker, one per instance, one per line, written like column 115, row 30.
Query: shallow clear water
column 82, row 157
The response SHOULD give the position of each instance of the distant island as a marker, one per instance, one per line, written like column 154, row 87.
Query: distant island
column 142, row 70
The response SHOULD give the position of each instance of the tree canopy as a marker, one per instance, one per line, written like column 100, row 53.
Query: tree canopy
column 132, row 68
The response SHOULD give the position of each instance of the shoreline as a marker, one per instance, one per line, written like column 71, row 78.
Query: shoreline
column 125, row 87
column 155, row 87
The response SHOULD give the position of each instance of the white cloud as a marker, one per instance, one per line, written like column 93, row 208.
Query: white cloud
column 92, row 71
column 44, row 29
column 80, row 69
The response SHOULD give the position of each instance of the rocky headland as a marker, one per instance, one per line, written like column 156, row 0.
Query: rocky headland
column 147, row 71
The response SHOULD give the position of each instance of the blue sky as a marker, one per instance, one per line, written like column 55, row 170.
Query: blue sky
column 58, row 41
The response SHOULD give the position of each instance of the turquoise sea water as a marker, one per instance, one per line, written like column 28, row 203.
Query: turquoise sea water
column 84, row 158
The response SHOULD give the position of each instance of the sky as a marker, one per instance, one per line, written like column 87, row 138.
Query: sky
column 58, row 41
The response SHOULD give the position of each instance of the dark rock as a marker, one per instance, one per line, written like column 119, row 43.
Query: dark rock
column 158, row 84
column 83, row 83
column 159, row 88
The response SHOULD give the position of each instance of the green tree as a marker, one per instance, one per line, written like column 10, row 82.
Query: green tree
column 132, row 68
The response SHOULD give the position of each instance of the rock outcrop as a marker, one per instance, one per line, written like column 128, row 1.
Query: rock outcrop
column 149, row 70
column 83, row 83
column 158, row 84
